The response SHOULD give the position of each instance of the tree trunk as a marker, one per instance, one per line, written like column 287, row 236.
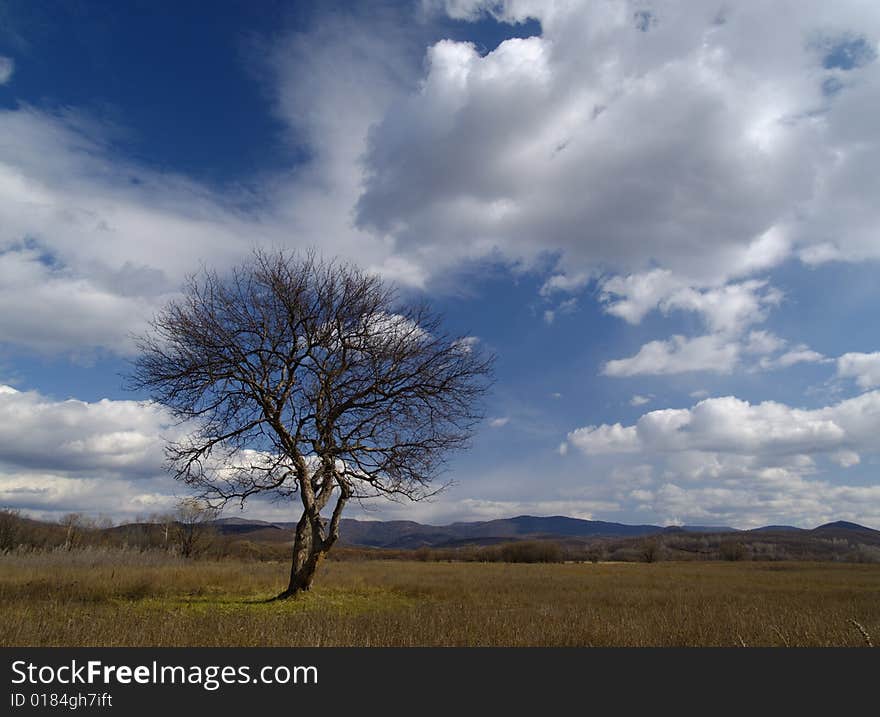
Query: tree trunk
column 308, row 551
column 311, row 542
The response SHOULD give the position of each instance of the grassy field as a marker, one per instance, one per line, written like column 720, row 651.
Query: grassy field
column 105, row 598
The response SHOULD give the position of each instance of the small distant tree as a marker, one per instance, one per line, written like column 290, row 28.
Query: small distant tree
column 652, row 551
column 732, row 550
column 191, row 528
column 596, row 553
column 75, row 525
column 310, row 378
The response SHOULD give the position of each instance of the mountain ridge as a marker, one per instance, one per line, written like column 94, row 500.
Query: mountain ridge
column 408, row 534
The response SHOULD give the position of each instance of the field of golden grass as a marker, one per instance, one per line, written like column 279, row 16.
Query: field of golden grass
column 106, row 598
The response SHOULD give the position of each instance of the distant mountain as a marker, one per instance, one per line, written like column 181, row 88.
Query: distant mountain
column 843, row 529
column 243, row 521
column 700, row 529
column 259, row 530
column 408, row 535
column 778, row 529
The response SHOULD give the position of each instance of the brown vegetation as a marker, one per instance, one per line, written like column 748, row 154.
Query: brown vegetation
column 104, row 596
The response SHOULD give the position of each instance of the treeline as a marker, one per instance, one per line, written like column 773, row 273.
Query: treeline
column 691, row 547
column 190, row 533
column 179, row 534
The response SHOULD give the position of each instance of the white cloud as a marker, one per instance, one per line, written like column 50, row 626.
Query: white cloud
column 7, row 67
column 91, row 457
column 89, row 246
column 725, row 309
column 606, row 439
column 846, row 459
column 864, row 368
column 76, row 436
column 564, row 284
column 632, row 297
column 733, row 426
column 678, row 355
column 50, row 495
column 53, row 310
column 706, row 147
column 720, row 352
column 799, row 354
column 639, row 400
column 714, row 353
column 726, row 461
column 727, row 312
column 680, row 160
column 747, row 504
column 763, row 342
column 499, row 422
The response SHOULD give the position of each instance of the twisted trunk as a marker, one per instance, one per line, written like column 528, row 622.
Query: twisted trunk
column 308, row 551
column 311, row 543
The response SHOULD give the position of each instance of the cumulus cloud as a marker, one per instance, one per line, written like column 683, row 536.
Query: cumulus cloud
column 50, row 495
column 763, row 342
column 721, row 352
column 800, row 354
column 725, row 309
column 700, row 142
column 678, row 355
column 731, row 425
column 40, row 433
column 725, row 460
column 606, row 439
column 671, row 160
column 864, row 368
column 807, row 503
column 562, row 283
column 93, row 457
column 638, row 400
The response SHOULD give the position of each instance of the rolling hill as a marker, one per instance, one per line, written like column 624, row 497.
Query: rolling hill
column 404, row 534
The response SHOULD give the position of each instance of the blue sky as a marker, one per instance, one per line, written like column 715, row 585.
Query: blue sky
column 661, row 219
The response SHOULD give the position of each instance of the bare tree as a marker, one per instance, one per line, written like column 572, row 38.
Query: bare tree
column 191, row 526
column 309, row 378
column 76, row 524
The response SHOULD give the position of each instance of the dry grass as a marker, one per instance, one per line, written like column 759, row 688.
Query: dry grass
column 106, row 598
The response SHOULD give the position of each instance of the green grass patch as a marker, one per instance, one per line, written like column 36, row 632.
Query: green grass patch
column 340, row 601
